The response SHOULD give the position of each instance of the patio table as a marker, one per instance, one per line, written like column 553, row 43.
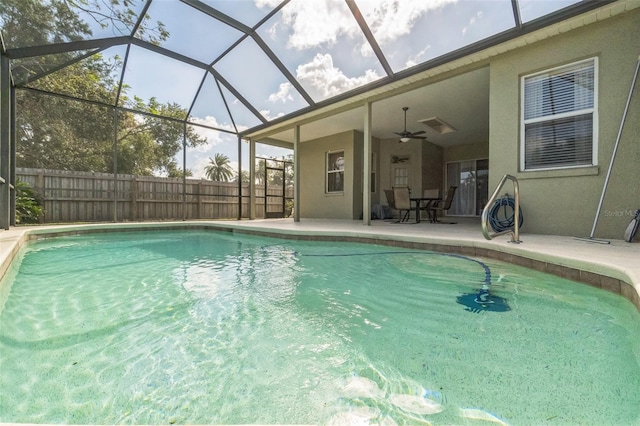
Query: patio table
column 418, row 202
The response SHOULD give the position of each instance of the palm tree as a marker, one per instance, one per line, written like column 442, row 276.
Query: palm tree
column 219, row 169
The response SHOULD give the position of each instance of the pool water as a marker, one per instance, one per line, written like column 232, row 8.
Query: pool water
column 204, row 327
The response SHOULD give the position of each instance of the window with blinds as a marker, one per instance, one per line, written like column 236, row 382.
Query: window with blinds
column 559, row 117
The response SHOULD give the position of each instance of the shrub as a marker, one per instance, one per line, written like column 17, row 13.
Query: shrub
column 29, row 207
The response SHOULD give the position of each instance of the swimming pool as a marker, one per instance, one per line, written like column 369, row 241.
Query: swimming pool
column 219, row 328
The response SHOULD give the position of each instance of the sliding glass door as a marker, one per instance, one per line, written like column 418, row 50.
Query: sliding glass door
column 472, row 179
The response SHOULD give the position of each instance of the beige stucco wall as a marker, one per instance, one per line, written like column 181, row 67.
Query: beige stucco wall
column 314, row 202
column 472, row 151
column 390, row 148
column 432, row 167
column 564, row 202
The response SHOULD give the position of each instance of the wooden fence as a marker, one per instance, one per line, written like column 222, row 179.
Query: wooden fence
column 70, row 196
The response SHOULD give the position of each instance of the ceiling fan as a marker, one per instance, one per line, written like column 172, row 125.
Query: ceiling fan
column 406, row 136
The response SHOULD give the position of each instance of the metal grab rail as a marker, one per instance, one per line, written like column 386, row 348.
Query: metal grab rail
column 515, row 234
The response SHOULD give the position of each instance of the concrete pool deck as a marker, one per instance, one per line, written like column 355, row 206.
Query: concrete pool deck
column 613, row 267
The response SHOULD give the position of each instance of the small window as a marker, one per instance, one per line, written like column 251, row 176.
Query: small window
column 335, row 172
column 400, row 176
column 559, row 117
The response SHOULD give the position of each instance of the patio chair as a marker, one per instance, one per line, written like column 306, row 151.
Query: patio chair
column 390, row 200
column 442, row 205
column 389, row 194
column 429, row 193
column 402, row 201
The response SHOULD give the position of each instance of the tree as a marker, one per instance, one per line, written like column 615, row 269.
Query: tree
column 147, row 145
column 59, row 133
column 244, row 177
column 37, row 22
column 219, row 169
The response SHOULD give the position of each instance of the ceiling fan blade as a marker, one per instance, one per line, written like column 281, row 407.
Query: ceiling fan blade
column 406, row 134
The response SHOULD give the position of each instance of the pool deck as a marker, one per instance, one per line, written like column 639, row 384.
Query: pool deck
column 614, row 266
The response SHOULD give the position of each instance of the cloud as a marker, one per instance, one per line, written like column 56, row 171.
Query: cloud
column 313, row 23
column 283, row 94
column 213, row 137
column 417, row 58
column 327, row 80
column 268, row 4
column 267, row 114
column 472, row 21
column 322, row 22
column 392, row 19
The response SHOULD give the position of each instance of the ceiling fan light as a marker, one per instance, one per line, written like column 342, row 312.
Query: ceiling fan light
column 403, row 140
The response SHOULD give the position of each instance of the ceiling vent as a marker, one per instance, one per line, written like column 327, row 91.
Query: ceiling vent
column 438, row 125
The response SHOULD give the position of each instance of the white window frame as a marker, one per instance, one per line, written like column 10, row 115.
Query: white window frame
column 593, row 111
column 330, row 169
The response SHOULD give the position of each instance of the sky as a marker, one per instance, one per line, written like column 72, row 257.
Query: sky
column 318, row 41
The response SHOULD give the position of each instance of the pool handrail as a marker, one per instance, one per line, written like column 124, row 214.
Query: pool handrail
column 515, row 229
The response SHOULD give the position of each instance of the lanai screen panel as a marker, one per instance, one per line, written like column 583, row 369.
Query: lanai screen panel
column 209, row 107
column 190, row 32
column 247, row 12
column 254, row 75
column 533, row 9
column 322, row 45
column 410, row 33
column 151, row 77
column 94, row 78
column 36, row 23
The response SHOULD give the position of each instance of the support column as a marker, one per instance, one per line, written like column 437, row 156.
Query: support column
column 6, row 193
column 12, row 156
column 239, row 178
column 366, row 170
column 115, row 164
column 296, row 174
column 184, row 172
column 252, row 179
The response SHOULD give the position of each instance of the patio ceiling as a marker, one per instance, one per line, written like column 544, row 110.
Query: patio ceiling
column 462, row 102
column 243, row 66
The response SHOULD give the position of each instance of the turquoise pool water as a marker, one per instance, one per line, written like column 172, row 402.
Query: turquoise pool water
column 204, row 327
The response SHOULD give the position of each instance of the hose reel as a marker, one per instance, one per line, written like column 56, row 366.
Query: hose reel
column 502, row 214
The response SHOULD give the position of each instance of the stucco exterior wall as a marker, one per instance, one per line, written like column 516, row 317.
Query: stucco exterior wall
column 411, row 150
column 432, row 167
column 314, row 202
column 564, row 202
column 472, row 151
